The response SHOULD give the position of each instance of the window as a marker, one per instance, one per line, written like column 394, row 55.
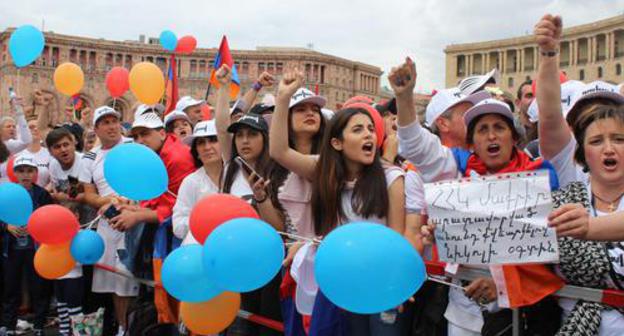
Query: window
column 35, row 78
column 245, row 68
column 582, row 75
column 279, row 68
column 510, row 82
column 618, row 69
column 461, row 66
column 261, row 68
column 599, row 72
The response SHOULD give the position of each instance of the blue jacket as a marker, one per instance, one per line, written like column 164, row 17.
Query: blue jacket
column 40, row 197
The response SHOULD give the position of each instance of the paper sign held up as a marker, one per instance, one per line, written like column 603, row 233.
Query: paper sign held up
column 497, row 219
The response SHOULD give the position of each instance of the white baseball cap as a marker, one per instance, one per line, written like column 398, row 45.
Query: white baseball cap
column 471, row 84
column 568, row 90
column 327, row 113
column 239, row 104
column 444, row 100
column 148, row 120
column 303, row 95
column 143, row 109
column 596, row 89
column 204, row 128
column 187, row 101
column 176, row 115
column 488, row 106
column 103, row 111
column 25, row 159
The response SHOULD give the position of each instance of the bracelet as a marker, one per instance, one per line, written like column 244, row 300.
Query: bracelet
column 552, row 53
column 262, row 200
column 257, row 86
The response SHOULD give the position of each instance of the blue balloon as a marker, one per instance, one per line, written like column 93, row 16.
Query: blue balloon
column 25, row 45
column 168, row 40
column 184, row 276
column 368, row 268
column 243, row 254
column 136, row 172
column 87, row 247
column 15, row 204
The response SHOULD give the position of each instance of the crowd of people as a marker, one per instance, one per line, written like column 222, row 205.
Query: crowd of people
column 307, row 170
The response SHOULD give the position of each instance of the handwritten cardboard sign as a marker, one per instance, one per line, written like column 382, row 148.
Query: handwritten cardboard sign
column 498, row 219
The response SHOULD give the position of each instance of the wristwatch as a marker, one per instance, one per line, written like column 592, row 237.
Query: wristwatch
column 551, row 53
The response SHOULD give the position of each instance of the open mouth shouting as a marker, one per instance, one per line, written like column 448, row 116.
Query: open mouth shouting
column 368, row 148
column 494, row 149
column 610, row 164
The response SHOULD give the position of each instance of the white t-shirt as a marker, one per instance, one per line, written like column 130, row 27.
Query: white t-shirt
column 4, row 177
column 193, row 188
column 240, row 186
column 59, row 177
column 612, row 322
column 392, row 173
column 42, row 158
column 415, row 202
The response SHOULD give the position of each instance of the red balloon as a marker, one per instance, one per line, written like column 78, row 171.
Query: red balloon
column 117, row 81
column 377, row 120
column 206, row 112
column 186, row 45
column 53, row 225
column 216, row 209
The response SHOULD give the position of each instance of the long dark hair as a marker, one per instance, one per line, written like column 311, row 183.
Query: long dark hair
column 262, row 165
column 4, row 152
column 370, row 194
column 278, row 173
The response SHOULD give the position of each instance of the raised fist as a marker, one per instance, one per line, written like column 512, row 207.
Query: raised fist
column 224, row 75
column 548, row 32
column 266, row 79
column 291, row 81
column 403, row 78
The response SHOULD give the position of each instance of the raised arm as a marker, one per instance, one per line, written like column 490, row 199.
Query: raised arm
column 416, row 144
column 300, row 164
column 396, row 205
column 265, row 80
column 222, row 117
column 42, row 108
column 554, row 133
column 24, row 137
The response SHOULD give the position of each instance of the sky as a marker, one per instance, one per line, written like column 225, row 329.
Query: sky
column 381, row 32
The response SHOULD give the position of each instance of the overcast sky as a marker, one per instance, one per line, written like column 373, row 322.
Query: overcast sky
column 378, row 32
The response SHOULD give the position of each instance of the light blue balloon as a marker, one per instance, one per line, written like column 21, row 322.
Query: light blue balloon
column 168, row 40
column 184, row 277
column 243, row 254
column 15, row 204
column 87, row 247
column 136, row 172
column 368, row 268
column 25, row 45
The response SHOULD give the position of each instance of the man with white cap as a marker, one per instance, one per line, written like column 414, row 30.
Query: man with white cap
column 99, row 194
column 18, row 253
column 148, row 129
column 192, row 107
column 445, row 115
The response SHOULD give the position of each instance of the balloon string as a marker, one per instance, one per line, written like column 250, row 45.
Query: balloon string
column 114, row 101
column 17, row 82
column 440, row 281
column 294, row 236
column 90, row 224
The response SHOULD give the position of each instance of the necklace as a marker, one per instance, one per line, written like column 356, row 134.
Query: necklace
column 612, row 204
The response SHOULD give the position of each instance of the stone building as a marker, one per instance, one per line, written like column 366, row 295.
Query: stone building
column 336, row 78
column 587, row 52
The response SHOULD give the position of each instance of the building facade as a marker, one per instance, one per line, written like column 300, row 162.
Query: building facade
column 335, row 78
column 588, row 52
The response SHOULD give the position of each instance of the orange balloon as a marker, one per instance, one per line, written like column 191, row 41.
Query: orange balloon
column 54, row 261
column 147, row 82
column 212, row 316
column 68, row 79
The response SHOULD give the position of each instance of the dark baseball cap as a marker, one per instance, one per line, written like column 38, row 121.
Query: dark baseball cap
column 251, row 120
column 262, row 108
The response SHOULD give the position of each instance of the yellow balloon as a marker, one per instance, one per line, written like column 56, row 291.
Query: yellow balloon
column 68, row 79
column 213, row 316
column 147, row 83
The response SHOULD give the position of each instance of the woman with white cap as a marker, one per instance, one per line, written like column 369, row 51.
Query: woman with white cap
column 205, row 180
column 591, row 159
column 178, row 123
column 492, row 137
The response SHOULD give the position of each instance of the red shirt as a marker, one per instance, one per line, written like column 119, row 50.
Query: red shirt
column 179, row 163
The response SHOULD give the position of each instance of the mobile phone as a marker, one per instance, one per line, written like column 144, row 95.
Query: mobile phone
column 111, row 212
column 246, row 166
column 73, row 189
column 12, row 93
